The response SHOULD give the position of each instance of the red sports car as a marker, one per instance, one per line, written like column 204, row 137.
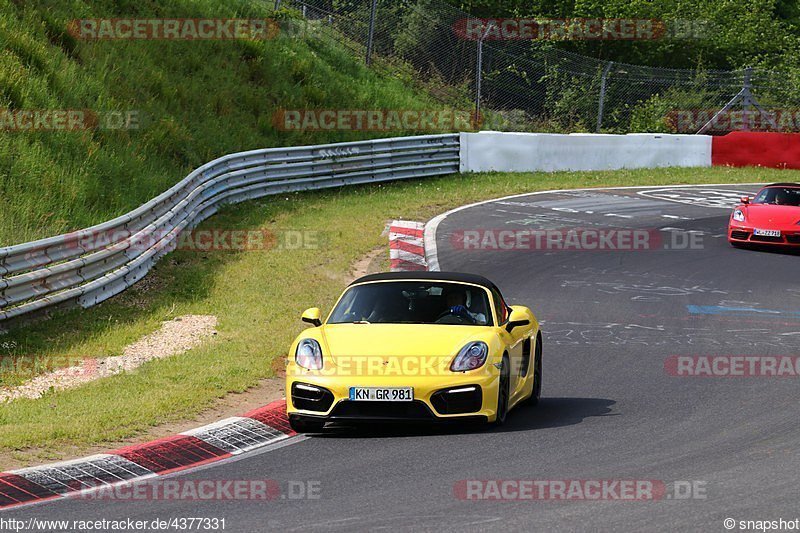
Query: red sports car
column 772, row 217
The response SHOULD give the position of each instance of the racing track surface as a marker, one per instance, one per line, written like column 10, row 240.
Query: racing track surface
column 610, row 411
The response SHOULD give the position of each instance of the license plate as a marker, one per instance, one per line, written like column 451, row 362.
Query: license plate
column 767, row 232
column 382, row 394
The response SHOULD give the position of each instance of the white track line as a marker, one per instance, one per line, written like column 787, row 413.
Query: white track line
column 432, row 253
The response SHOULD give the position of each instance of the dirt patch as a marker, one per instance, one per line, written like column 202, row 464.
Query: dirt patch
column 175, row 337
column 374, row 261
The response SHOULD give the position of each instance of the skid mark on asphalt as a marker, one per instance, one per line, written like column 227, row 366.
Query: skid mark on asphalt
column 621, row 334
column 739, row 311
column 647, row 290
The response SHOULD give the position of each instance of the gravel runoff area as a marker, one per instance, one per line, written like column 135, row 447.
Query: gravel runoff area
column 175, row 336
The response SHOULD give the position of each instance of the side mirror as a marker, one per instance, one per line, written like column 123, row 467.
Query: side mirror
column 518, row 318
column 745, row 199
column 312, row 316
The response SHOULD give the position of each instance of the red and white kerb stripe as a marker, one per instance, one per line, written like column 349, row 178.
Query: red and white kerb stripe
column 406, row 246
column 199, row 446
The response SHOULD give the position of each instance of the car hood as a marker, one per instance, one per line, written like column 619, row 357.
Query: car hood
column 397, row 340
column 771, row 216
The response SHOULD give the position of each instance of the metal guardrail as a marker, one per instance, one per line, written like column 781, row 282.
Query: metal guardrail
column 91, row 265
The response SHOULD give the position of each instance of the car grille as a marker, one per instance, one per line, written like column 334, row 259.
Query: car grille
column 764, row 238
column 739, row 235
column 381, row 410
column 793, row 239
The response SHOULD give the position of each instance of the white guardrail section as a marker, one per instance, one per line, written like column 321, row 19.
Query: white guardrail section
column 91, row 265
column 530, row 152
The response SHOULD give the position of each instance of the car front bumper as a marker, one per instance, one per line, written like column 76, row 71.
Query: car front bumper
column 327, row 398
column 744, row 234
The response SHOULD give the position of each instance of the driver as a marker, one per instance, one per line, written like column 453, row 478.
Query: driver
column 456, row 306
column 387, row 309
column 782, row 198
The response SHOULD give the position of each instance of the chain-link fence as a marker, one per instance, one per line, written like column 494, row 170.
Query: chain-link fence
column 533, row 85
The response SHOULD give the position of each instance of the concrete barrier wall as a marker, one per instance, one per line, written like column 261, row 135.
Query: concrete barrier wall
column 526, row 152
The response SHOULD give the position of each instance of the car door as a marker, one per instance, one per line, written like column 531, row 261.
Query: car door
column 514, row 343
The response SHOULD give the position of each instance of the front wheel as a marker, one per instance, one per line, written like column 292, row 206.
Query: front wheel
column 503, row 392
column 536, row 394
column 305, row 425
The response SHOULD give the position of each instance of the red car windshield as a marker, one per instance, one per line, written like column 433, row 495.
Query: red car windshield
column 779, row 196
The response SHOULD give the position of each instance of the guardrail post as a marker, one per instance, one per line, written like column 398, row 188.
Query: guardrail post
column 277, row 4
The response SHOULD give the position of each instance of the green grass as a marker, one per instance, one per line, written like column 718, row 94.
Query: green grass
column 258, row 297
column 196, row 101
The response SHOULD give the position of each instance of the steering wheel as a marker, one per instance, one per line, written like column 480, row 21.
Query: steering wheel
column 446, row 317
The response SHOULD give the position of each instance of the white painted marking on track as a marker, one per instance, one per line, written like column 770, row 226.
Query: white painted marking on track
column 715, row 198
column 432, row 252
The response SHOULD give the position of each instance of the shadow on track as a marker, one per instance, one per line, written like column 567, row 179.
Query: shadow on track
column 767, row 249
column 550, row 413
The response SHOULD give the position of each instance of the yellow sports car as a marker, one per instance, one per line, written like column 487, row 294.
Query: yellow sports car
column 414, row 346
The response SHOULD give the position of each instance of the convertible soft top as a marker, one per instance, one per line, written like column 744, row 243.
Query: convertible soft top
column 437, row 276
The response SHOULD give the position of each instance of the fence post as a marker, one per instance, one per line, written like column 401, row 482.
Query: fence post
column 747, row 99
column 479, row 73
column 602, row 101
column 371, row 35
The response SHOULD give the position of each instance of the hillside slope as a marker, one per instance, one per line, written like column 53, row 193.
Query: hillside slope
column 189, row 102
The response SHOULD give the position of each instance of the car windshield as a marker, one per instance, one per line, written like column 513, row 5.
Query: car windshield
column 413, row 302
column 779, row 196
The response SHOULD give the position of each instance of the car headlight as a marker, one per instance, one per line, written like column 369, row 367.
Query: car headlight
column 308, row 354
column 738, row 215
column 471, row 356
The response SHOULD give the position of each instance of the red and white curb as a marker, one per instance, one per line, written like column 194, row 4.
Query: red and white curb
column 200, row 446
column 406, row 246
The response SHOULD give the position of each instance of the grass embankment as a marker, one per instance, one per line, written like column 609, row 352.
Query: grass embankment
column 193, row 100
column 257, row 296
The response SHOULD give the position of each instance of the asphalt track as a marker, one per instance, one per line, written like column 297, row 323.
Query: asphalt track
column 610, row 410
